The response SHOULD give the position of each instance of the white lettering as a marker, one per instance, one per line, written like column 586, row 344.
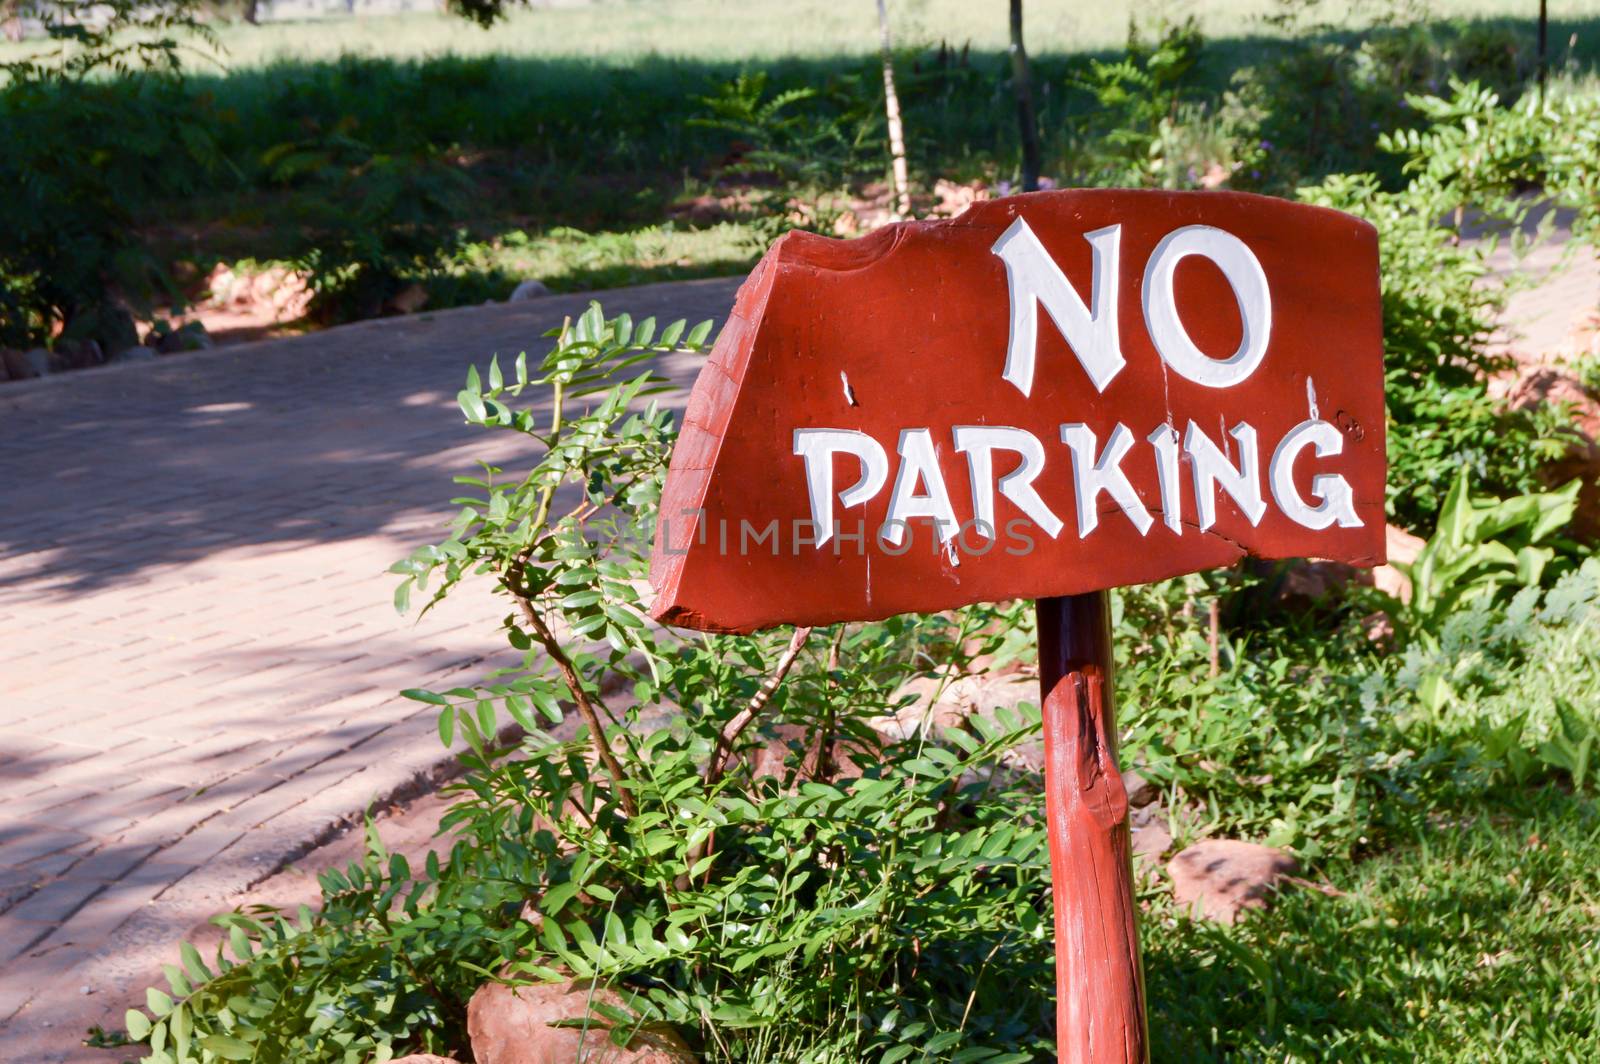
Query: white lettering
column 1331, row 490
column 979, row 442
column 919, row 461
column 1091, row 477
column 1165, row 441
column 1173, row 343
column 817, row 447
column 1032, row 277
column 1213, row 469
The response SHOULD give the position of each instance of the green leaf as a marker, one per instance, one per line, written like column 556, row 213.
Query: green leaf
column 555, row 899
column 227, row 1047
column 138, row 1025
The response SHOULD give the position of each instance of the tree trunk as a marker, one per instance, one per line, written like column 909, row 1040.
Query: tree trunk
column 1544, row 35
column 891, row 104
column 1022, row 85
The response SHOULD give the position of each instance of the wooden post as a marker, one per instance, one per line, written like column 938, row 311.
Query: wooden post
column 1100, row 1016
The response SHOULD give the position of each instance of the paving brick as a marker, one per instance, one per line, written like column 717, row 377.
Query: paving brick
column 22, row 842
column 47, row 909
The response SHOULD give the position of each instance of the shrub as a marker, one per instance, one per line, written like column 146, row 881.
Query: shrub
column 869, row 899
column 81, row 151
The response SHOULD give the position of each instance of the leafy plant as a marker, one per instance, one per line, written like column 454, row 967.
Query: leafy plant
column 81, row 152
column 721, row 834
column 1482, row 546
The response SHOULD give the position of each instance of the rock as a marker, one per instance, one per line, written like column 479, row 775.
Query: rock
column 1150, row 842
column 1539, row 384
column 410, row 299
column 191, row 336
column 1221, row 877
column 511, row 1025
column 81, row 354
column 950, row 198
column 1582, row 460
column 24, row 365
column 529, row 289
column 1141, row 792
column 133, row 354
column 957, row 699
column 787, row 739
column 1403, row 547
column 1547, row 384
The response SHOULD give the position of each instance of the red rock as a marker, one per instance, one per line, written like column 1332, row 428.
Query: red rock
column 1150, row 842
column 1219, row 878
column 1402, row 547
column 891, row 342
column 512, row 1025
column 773, row 757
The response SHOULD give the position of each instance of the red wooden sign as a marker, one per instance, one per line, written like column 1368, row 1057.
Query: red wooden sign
column 1050, row 394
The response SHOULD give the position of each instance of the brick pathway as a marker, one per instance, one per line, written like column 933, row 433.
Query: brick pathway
column 198, row 659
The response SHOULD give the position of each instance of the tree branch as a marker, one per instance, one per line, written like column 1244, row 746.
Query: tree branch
column 580, row 695
column 746, row 716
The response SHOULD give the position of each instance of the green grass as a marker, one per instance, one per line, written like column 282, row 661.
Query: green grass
column 760, row 30
column 570, row 260
column 1480, row 941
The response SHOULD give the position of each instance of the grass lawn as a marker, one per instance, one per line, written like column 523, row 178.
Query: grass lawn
column 755, row 30
column 1478, row 942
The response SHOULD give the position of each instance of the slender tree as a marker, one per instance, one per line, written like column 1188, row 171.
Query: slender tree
column 891, row 105
column 1544, row 35
column 1022, row 85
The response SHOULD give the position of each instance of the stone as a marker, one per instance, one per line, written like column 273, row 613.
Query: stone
column 1219, row 878
column 191, row 336
column 1403, row 547
column 25, row 365
column 410, row 299
column 1536, row 385
column 1141, row 792
column 80, row 354
column 133, row 354
column 1150, row 842
column 1547, row 384
column 529, row 289
column 512, row 1025
column 771, row 758
column 1582, row 461
column 957, row 699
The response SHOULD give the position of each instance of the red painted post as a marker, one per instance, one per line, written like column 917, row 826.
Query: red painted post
column 1100, row 1017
